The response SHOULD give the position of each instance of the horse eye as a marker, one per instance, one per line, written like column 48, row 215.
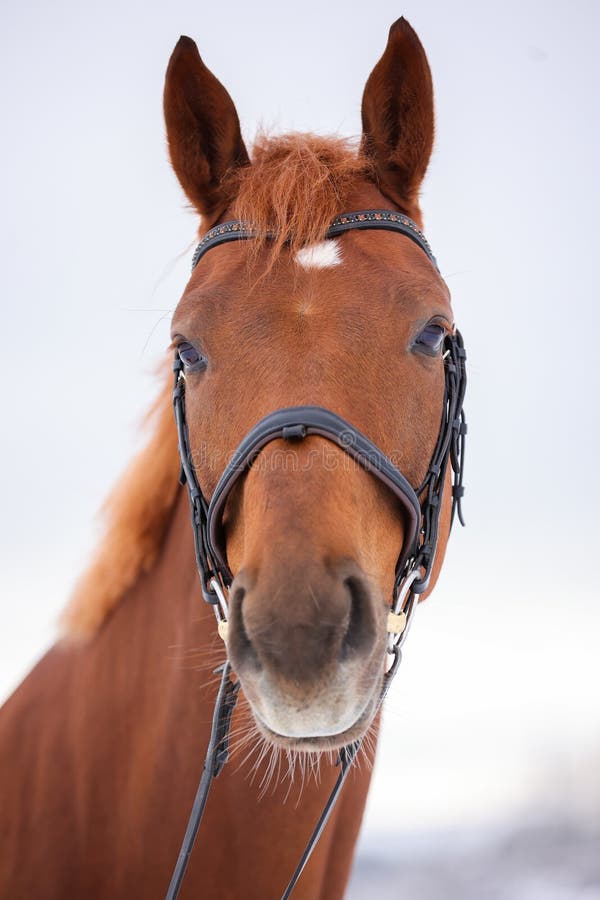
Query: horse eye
column 190, row 357
column 430, row 340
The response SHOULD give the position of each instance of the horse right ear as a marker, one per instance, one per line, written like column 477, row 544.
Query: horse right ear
column 203, row 131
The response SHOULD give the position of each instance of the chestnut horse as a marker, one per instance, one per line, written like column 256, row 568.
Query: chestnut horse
column 102, row 744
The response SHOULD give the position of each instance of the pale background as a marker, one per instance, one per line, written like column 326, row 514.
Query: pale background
column 492, row 734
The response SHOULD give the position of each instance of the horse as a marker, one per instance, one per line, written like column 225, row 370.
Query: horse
column 101, row 745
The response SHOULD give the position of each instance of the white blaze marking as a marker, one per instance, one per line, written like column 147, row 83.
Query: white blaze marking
column 319, row 256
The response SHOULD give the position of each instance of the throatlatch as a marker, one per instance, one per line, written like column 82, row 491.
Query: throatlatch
column 421, row 505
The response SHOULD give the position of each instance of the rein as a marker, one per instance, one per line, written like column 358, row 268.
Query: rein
column 421, row 504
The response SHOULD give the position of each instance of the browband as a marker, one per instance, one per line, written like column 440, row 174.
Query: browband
column 294, row 424
column 384, row 219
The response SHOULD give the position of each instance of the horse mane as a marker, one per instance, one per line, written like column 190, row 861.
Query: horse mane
column 296, row 185
column 135, row 516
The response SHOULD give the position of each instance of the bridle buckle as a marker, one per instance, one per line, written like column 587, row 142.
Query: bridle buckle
column 403, row 610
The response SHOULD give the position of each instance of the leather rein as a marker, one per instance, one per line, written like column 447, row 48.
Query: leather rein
column 421, row 505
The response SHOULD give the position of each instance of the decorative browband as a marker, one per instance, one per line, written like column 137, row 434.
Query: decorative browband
column 384, row 219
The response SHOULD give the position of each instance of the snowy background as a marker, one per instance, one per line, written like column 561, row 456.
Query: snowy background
column 487, row 782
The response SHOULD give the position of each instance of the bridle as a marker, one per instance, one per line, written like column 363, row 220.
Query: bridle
column 421, row 506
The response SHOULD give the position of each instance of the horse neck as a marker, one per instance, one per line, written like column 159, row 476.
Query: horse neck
column 121, row 726
column 154, row 648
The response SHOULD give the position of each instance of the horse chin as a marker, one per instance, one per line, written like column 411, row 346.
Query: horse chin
column 322, row 742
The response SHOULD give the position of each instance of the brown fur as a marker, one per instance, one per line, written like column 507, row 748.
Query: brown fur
column 101, row 746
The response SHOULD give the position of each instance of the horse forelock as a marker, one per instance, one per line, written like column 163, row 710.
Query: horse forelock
column 295, row 186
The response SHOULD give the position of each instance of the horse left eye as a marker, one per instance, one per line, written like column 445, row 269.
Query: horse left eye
column 190, row 357
column 430, row 340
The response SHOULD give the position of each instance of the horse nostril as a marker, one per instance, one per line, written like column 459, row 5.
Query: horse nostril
column 239, row 643
column 237, row 616
column 237, row 595
column 360, row 631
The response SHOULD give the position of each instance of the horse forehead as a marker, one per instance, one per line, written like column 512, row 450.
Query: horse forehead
column 358, row 275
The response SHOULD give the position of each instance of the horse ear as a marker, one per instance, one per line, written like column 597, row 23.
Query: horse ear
column 397, row 117
column 203, row 130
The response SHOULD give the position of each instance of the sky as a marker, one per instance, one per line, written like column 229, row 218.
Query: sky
column 496, row 704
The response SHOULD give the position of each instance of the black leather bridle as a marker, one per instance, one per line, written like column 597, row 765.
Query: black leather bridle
column 421, row 506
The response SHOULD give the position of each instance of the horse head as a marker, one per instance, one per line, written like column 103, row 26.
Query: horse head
column 355, row 324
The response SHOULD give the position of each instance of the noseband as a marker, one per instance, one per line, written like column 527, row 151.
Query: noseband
column 421, row 506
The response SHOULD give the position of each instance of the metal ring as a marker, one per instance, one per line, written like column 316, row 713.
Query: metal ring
column 406, row 590
column 221, row 608
column 396, row 653
column 413, row 602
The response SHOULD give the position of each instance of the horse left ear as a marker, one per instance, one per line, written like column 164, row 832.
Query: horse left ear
column 397, row 117
column 203, row 129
